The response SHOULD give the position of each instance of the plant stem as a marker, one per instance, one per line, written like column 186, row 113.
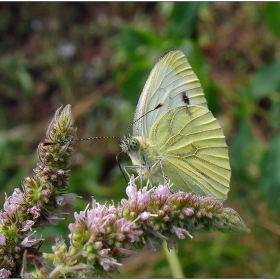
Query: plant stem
column 174, row 263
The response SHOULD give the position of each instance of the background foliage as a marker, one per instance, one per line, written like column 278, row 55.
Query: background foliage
column 97, row 56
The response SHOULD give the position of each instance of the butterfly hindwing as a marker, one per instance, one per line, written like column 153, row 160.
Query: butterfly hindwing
column 193, row 151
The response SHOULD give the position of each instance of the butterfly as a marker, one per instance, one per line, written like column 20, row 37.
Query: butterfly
column 181, row 140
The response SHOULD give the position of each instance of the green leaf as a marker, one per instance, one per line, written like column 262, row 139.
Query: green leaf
column 184, row 19
column 241, row 152
column 266, row 80
column 270, row 182
column 25, row 81
column 272, row 18
column 132, row 38
column 134, row 83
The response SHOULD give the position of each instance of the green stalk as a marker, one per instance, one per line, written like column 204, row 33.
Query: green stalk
column 174, row 263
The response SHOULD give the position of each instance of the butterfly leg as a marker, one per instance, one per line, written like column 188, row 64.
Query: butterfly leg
column 164, row 176
column 135, row 168
column 149, row 183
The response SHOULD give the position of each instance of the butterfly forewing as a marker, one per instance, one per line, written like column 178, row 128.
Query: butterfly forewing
column 171, row 81
column 191, row 145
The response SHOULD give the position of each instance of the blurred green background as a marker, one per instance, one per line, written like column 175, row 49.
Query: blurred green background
column 96, row 57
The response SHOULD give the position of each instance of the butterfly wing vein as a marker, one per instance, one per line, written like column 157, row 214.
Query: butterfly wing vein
column 194, row 149
column 171, row 76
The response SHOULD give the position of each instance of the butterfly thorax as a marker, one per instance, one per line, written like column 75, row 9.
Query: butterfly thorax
column 142, row 154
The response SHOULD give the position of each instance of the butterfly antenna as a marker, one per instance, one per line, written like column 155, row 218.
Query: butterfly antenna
column 120, row 167
column 157, row 107
column 79, row 139
column 100, row 137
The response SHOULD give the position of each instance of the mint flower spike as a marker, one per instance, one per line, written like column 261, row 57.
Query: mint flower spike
column 103, row 235
column 39, row 200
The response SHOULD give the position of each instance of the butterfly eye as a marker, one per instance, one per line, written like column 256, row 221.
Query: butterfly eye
column 134, row 144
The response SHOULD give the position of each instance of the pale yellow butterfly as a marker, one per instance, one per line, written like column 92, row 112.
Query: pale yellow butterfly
column 181, row 141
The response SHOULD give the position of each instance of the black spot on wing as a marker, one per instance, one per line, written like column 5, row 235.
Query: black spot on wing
column 185, row 98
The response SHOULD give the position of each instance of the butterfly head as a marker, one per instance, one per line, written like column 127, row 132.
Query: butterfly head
column 129, row 144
